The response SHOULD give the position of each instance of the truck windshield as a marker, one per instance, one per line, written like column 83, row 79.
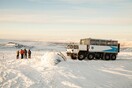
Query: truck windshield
column 72, row 47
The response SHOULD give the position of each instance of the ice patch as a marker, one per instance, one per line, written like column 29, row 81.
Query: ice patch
column 51, row 58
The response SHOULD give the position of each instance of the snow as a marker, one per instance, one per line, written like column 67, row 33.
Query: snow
column 51, row 58
column 49, row 69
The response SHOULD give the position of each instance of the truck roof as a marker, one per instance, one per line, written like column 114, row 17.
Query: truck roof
column 92, row 41
column 98, row 39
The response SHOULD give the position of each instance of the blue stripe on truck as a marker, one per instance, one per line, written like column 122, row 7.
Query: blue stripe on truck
column 113, row 49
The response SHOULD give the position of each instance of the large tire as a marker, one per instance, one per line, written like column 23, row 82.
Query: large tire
column 97, row 56
column 90, row 56
column 81, row 56
column 68, row 54
column 102, row 56
column 73, row 57
column 107, row 56
column 113, row 56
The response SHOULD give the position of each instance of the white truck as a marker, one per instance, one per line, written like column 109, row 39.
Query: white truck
column 94, row 49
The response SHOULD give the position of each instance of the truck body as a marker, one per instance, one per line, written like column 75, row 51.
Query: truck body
column 94, row 49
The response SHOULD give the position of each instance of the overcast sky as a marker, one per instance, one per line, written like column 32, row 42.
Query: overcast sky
column 66, row 20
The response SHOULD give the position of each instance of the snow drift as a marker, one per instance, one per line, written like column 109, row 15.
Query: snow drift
column 51, row 58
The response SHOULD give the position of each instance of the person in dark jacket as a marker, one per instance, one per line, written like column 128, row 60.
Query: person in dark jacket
column 17, row 56
column 25, row 53
column 29, row 53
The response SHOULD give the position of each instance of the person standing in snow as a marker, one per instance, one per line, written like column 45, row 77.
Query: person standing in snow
column 17, row 56
column 22, row 53
column 29, row 53
column 25, row 53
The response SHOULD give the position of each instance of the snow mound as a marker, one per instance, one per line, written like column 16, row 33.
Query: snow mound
column 51, row 58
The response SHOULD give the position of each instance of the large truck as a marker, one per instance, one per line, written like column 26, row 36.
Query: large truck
column 94, row 49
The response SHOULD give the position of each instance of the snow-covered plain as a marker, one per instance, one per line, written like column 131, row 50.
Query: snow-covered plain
column 35, row 73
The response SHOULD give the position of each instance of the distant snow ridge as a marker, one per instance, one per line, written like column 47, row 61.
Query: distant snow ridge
column 51, row 58
column 126, row 49
column 126, row 44
column 15, row 45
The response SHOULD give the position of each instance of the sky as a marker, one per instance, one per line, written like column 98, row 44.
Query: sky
column 65, row 20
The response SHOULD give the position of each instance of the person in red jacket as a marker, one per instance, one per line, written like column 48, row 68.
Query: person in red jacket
column 22, row 53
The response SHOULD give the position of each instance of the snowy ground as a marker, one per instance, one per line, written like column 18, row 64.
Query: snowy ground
column 34, row 73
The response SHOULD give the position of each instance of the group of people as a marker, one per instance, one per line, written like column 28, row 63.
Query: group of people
column 24, row 53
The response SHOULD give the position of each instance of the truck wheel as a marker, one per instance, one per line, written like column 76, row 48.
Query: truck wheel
column 107, row 56
column 90, row 56
column 113, row 57
column 73, row 56
column 68, row 54
column 97, row 56
column 81, row 56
